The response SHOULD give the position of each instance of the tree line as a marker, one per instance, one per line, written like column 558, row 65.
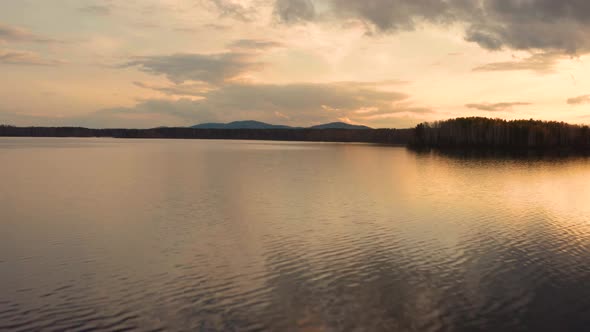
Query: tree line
column 478, row 132
column 473, row 132
column 385, row 136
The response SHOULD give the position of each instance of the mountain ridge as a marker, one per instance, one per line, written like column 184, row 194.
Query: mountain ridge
column 339, row 125
column 251, row 124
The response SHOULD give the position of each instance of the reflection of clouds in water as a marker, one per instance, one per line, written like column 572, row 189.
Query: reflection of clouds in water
column 498, row 281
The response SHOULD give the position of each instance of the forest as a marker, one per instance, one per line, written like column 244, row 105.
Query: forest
column 478, row 132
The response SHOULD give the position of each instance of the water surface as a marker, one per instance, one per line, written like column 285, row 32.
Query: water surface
column 113, row 234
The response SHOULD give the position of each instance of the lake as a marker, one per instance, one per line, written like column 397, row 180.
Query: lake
column 108, row 234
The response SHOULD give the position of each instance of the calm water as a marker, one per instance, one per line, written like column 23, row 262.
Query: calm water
column 241, row 236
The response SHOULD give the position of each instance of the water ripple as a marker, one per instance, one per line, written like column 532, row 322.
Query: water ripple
column 225, row 236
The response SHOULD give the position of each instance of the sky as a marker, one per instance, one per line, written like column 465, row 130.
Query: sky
column 381, row 63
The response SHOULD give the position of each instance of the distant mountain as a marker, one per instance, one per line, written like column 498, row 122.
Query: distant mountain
column 240, row 125
column 261, row 125
column 339, row 125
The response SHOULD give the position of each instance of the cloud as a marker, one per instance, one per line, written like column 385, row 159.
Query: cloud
column 291, row 11
column 179, row 112
column 585, row 99
column 17, row 57
column 188, row 89
column 218, row 27
column 9, row 33
column 493, row 24
column 254, row 44
column 533, row 24
column 208, row 26
column 298, row 103
column 496, row 107
column 144, row 115
column 540, row 62
column 210, row 68
column 100, row 10
column 234, row 9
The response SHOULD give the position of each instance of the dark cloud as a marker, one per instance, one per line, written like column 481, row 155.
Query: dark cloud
column 254, row 44
column 493, row 24
column 9, row 33
column 386, row 15
column 26, row 58
column 496, row 107
column 585, row 99
column 391, row 15
column 540, row 63
column 291, row 11
column 210, row 68
column 533, row 24
column 101, row 10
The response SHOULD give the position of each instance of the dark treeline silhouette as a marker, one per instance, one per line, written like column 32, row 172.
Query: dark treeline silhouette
column 473, row 133
column 385, row 136
column 487, row 133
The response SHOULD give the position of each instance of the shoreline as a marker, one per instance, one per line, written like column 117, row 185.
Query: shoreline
column 381, row 136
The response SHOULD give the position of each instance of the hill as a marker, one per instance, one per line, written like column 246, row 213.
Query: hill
column 240, row 125
column 339, row 125
column 262, row 125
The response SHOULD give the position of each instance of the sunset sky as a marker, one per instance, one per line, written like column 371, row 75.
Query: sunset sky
column 381, row 63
